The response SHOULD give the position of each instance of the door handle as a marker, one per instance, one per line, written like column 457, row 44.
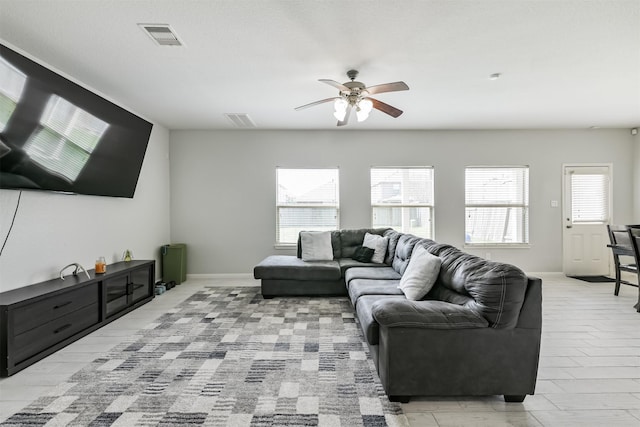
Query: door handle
column 569, row 226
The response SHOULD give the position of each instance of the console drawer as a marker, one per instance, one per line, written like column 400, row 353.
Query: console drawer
column 35, row 340
column 33, row 315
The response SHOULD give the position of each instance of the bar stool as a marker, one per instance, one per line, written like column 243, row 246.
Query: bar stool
column 634, row 238
column 621, row 247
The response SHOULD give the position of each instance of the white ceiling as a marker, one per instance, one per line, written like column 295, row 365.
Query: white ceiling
column 564, row 64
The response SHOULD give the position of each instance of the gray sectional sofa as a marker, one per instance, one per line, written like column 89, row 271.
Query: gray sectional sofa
column 475, row 333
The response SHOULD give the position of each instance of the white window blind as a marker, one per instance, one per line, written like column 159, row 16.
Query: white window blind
column 497, row 205
column 590, row 196
column 65, row 138
column 402, row 199
column 307, row 200
column 12, row 84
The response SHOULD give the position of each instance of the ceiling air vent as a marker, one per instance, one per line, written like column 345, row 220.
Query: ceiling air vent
column 162, row 34
column 240, row 120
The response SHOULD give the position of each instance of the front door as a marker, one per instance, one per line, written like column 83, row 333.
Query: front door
column 586, row 212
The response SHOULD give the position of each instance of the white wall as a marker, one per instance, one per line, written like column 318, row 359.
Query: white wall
column 52, row 230
column 636, row 179
column 223, row 183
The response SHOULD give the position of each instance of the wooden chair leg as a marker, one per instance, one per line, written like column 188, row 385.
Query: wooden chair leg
column 616, row 291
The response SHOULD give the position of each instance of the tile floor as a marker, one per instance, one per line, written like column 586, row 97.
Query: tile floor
column 589, row 365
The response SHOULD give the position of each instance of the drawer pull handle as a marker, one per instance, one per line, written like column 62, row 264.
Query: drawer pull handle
column 62, row 328
column 62, row 305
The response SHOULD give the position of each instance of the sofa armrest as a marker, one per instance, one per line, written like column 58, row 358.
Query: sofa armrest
column 425, row 314
column 531, row 312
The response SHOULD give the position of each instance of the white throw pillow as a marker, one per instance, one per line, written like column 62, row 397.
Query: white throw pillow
column 378, row 244
column 421, row 274
column 316, row 245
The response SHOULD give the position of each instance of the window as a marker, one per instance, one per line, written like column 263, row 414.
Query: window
column 402, row 198
column 590, row 195
column 307, row 199
column 497, row 205
column 65, row 138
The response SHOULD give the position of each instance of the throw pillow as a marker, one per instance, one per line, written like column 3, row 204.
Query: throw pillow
column 378, row 244
column 363, row 254
column 316, row 245
column 421, row 274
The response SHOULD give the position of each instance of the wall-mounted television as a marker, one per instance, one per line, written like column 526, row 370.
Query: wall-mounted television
column 58, row 136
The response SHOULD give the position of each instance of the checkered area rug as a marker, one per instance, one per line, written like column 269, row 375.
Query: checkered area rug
column 227, row 357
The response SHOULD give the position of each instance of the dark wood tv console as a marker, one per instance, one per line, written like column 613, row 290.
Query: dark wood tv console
column 40, row 319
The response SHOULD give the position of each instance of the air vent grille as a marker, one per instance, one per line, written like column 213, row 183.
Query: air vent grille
column 240, row 120
column 162, row 34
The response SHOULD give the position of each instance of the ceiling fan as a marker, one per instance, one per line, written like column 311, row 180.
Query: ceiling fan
column 355, row 94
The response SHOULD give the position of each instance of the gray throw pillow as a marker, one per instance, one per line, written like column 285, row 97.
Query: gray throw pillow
column 421, row 274
column 316, row 245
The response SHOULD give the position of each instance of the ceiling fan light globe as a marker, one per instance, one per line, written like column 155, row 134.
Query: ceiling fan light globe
column 365, row 105
column 340, row 105
column 340, row 115
column 362, row 115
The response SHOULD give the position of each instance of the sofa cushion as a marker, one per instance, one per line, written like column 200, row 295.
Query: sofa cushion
column 405, row 245
column 494, row 290
column 360, row 287
column 351, row 239
column 378, row 244
column 381, row 272
column 426, row 314
column 293, row 268
column 348, row 263
column 368, row 324
column 420, row 275
column 316, row 245
column 393, row 236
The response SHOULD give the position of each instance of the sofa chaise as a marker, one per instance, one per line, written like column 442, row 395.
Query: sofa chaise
column 476, row 332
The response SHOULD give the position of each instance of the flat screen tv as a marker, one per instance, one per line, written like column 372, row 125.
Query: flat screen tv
column 58, row 136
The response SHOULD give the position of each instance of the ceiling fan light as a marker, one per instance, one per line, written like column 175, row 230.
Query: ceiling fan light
column 341, row 104
column 362, row 115
column 340, row 115
column 366, row 105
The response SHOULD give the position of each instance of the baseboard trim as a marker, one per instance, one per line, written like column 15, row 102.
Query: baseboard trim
column 221, row 276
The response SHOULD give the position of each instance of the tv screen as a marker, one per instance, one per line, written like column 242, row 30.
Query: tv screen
column 58, row 136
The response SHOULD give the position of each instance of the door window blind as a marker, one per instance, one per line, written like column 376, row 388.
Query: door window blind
column 590, row 196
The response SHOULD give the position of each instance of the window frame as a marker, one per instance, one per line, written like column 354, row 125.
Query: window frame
column 288, row 245
column 429, row 206
column 525, row 205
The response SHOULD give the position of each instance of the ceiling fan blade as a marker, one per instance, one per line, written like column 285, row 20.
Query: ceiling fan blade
column 335, row 84
column 385, row 108
column 346, row 117
column 387, row 87
column 322, row 101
